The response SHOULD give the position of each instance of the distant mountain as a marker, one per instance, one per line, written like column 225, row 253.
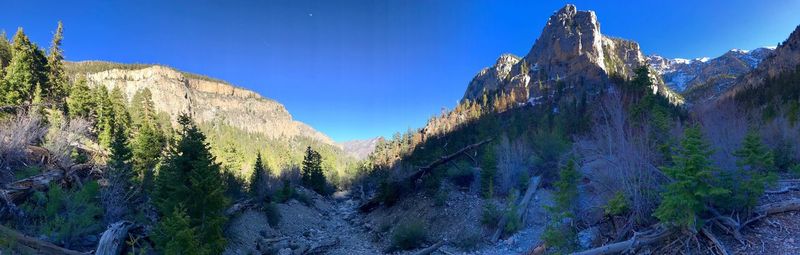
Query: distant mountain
column 785, row 58
column 705, row 77
column 360, row 149
column 207, row 99
column 570, row 50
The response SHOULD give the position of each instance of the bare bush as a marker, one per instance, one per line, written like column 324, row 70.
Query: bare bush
column 62, row 140
column 512, row 164
column 620, row 158
column 16, row 133
column 724, row 127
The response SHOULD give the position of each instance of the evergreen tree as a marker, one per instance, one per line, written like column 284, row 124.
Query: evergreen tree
column 147, row 147
column 693, row 183
column 142, row 107
column 259, row 180
column 103, row 115
column 559, row 236
column 56, row 76
column 754, row 174
column 190, row 177
column 80, row 102
column 175, row 235
column 312, row 171
column 119, row 107
column 26, row 69
column 119, row 175
column 5, row 52
column 488, row 171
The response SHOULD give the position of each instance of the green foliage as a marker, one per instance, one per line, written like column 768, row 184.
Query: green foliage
column 80, row 102
column 618, row 205
column 27, row 68
column 513, row 221
column 259, row 179
column 490, row 215
column 488, row 171
column 461, row 175
column 409, row 236
column 147, row 145
column 5, row 52
column 313, row 177
column 189, row 180
column 286, row 192
column 693, row 183
column 389, row 192
column 468, row 239
column 559, row 236
column 755, row 163
column 56, row 76
column 66, row 215
column 273, row 214
column 175, row 234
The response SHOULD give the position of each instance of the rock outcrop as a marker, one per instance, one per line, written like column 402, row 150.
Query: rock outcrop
column 207, row 100
column 360, row 149
column 571, row 49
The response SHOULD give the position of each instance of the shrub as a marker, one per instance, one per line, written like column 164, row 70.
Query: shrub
column 468, row 239
column 440, row 198
column 617, row 205
column 461, row 176
column 273, row 214
column 388, row 192
column 66, row 215
column 491, row 215
column 513, row 221
column 409, row 236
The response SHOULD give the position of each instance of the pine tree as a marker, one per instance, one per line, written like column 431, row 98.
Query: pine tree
column 119, row 107
column 119, row 175
column 103, row 115
column 754, row 174
column 147, row 147
column 190, row 177
column 312, row 172
column 26, row 69
column 5, row 52
column 56, row 76
column 488, row 172
column 80, row 103
column 259, row 180
column 559, row 236
column 694, row 183
column 175, row 235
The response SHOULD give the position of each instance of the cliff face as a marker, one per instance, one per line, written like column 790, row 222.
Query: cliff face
column 571, row 49
column 208, row 101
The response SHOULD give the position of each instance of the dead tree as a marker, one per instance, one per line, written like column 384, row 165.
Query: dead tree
column 533, row 185
column 113, row 239
column 374, row 202
column 33, row 245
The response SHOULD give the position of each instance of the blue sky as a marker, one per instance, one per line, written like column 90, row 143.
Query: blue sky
column 360, row 69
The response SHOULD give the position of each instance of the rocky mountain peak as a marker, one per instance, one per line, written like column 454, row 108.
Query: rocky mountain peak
column 785, row 57
column 572, row 50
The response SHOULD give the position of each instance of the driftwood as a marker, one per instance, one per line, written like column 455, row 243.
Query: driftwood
column 714, row 240
column 652, row 236
column 322, row 247
column 760, row 212
column 374, row 202
column 430, row 249
column 533, row 184
column 113, row 239
column 240, row 206
column 30, row 244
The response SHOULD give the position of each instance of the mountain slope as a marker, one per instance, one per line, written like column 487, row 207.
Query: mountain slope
column 208, row 100
column 704, row 78
column 570, row 50
column 360, row 149
column 786, row 58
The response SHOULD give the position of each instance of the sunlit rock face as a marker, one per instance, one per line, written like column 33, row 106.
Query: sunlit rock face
column 207, row 101
column 570, row 50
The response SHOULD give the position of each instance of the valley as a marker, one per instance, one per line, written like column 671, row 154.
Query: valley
column 583, row 145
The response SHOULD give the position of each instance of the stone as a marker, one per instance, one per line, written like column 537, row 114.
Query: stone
column 588, row 237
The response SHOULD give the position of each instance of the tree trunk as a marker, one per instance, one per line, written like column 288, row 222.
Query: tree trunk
column 533, row 184
column 113, row 239
column 30, row 244
column 374, row 202
column 430, row 249
column 654, row 236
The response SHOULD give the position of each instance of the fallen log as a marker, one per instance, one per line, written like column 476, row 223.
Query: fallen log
column 33, row 244
column 533, row 184
column 240, row 206
column 771, row 209
column 783, row 190
column 19, row 190
column 374, row 202
column 650, row 237
column 322, row 248
column 714, row 240
column 113, row 239
column 430, row 249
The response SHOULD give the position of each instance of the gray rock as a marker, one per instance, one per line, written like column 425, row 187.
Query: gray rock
column 588, row 237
